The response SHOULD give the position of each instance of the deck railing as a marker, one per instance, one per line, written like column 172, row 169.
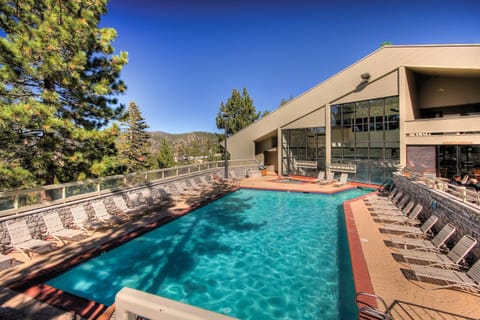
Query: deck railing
column 18, row 201
column 461, row 193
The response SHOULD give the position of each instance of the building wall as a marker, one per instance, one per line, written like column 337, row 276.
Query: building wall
column 447, row 91
column 383, row 66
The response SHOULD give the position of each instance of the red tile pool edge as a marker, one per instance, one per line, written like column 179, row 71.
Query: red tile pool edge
column 361, row 276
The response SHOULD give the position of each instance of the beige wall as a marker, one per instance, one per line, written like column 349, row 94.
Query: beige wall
column 448, row 91
column 382, row 65
column 314, row 119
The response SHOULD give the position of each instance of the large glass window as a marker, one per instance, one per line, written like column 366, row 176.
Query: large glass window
column 303, row 151
column 367, row 134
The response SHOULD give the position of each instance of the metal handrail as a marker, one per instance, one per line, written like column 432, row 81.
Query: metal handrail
column 461, row 193
column 18, row 201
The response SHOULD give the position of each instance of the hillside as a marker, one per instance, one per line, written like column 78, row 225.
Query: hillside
column 186, row 144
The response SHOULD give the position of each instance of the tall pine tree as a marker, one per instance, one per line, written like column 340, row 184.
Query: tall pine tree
column 165, row 158
column 241, row 112
column 59, row 79
column 134, row 142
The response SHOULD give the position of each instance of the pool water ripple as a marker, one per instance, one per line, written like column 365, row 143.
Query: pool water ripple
column 251, row 255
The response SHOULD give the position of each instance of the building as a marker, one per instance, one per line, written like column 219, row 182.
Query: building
column 400, row 106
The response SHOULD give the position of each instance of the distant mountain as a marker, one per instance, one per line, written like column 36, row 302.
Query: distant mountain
column 197, row 143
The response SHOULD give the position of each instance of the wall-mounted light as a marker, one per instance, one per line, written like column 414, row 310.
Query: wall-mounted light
column 365, row 78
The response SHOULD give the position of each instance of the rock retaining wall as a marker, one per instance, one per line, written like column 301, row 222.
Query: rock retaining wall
column 464, row 216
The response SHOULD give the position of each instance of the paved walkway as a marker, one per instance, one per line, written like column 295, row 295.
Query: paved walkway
column 407, row 299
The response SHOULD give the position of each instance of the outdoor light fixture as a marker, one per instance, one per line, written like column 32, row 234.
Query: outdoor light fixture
column 365, row 78
column 225, row 117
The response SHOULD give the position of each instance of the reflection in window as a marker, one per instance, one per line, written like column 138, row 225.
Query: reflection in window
column 303, row 151
column 367, row 133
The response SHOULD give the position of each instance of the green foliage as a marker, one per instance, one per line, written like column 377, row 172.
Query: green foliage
column 386, row 43
column 134, row 142
column 58, row 85
column 108, row 166
column 241, row 112
column 285, row 101
column 165, row 158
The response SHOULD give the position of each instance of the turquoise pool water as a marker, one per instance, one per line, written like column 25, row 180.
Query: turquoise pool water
column 252, row 255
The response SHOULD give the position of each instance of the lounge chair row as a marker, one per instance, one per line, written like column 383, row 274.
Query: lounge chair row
column 426, row 254
column 56, row 230
column 330, row 178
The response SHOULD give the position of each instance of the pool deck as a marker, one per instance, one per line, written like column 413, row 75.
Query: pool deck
column 375, row 269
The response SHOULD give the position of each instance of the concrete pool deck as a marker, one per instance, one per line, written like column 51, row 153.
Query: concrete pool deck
column 373, row 264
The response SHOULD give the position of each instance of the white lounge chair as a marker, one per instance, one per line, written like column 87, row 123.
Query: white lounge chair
column 450, row 260
column 102, row 214
column 329, row 178
column 391, row 207
column 424, row 229
column 435, row 244
column 56, row 229
column 121, row 205
column 6, row 261
column 392, row 204
column 343, row 180
column 411, row 219
column 394, row 212
column 82, row 221
column 469, row 281
column 23, row 242
column 320, row 176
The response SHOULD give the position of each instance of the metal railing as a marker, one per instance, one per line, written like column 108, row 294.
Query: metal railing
column 18, row 201
column 461, row 193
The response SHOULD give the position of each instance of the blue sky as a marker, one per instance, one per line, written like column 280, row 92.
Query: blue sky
column 186, row 57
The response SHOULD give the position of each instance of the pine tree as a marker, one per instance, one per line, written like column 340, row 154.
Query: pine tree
column 59, row 80
column 240, row 110
column 165, row 157
column 134, row 144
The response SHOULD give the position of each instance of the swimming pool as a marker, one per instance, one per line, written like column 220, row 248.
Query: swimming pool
column 252, row 255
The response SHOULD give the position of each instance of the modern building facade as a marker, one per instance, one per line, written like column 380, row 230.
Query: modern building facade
column 401, row 106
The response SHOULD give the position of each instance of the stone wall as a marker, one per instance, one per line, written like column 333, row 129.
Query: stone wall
column 38, row 228
column 464, row 216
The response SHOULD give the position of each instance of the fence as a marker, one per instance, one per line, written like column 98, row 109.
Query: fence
column 461, row 193
column 18, row 201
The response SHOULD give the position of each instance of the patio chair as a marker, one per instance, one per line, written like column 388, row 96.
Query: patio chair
column 56, row 229
column 411, row 219
column 394, row 203
column 424, row 229
column 320, row 176
column 468, row 281
column 378, row 199
column 398, row 207
column 343, row 180
column 194, row 185
column 6, row 262
column 102, row 214
column 122, row 207
column 81, row 220
column 23, row 242
column 453, row 259
column 402, row 211
column 329, row 178
column 435, row 244
column 183, row 190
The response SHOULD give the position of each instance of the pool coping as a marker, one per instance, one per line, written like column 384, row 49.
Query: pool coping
column 34, row 285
